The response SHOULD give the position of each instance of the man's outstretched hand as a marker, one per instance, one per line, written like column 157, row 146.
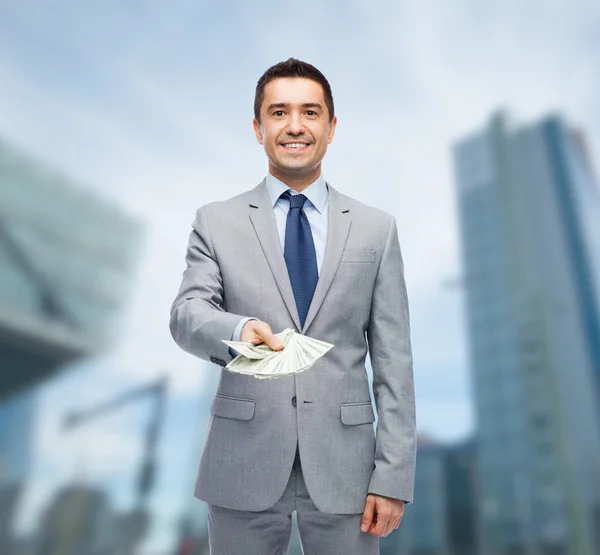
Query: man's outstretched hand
column 382, row 515
column 256, row 332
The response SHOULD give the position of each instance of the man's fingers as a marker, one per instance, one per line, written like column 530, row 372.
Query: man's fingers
column 383, row 519
column 399, row 519
column 256, row 332
column 381, row 528
column 248, row 333
column 389, row 524
column 367, row 518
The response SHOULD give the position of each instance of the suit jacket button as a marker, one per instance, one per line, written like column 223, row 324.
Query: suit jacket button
column 294, row 400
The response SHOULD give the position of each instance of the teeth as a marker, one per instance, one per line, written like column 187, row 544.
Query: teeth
column 295, row 145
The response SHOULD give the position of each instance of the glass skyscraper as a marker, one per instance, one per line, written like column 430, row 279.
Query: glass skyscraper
column 441, row 520
column 424, row 526
column 66, row 261
column 529, row 210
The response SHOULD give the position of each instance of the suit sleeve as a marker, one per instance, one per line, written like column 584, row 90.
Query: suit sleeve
column 198, row 320
column 388, row 336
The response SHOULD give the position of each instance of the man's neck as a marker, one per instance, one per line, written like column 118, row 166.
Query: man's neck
column 296, row 182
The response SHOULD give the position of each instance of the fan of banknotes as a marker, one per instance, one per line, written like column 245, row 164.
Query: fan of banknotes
column 299, row 354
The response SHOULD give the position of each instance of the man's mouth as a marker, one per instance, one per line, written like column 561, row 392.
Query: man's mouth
column 295, row 146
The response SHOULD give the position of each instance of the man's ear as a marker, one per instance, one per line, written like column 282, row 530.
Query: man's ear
column 332, row 130
column 258, row 131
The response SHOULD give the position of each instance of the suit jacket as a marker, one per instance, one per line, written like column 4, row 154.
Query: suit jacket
column 235, row 268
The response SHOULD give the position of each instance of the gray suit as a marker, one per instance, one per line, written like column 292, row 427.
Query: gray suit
column 235, row 268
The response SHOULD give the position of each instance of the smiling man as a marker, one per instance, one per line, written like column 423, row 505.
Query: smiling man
column 293, row 252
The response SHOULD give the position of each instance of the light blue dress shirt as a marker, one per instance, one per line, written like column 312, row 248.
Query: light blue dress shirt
column 316, row 209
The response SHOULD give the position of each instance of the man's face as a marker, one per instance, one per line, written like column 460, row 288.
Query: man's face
column 294, row 126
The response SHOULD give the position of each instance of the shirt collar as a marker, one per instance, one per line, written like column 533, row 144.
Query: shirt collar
column 316, row 192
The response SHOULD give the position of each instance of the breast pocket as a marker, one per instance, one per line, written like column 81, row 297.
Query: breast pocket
column 358, row 256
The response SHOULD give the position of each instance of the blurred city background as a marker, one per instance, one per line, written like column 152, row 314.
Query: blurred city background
column 476, row 124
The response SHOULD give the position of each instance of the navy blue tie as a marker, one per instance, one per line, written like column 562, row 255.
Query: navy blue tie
column 299, row 254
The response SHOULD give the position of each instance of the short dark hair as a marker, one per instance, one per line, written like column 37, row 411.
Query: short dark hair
column 292, row 68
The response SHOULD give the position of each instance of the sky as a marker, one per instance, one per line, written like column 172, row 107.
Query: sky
column 150, row 104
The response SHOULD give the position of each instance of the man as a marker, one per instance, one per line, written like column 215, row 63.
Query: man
column 295, row 253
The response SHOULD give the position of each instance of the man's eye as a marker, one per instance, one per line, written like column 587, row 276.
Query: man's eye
column 311, row 113
column 278, row 113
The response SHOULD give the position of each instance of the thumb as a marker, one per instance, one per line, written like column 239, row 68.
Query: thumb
column 367, row 517
column 271, row 339
column 274, row 343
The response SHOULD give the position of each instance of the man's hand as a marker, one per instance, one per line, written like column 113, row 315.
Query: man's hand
column 382, row 515
column 256, row 332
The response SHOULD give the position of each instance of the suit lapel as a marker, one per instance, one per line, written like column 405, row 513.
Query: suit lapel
column 337, row 234
column 263, row 220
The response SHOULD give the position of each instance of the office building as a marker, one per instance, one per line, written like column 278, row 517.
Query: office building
column 66, row 262
column 441, row 521
column 529, row 212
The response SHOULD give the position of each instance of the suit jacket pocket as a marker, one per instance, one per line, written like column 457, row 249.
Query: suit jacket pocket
column 232, row 407
column 358, row 255
column 357, row 413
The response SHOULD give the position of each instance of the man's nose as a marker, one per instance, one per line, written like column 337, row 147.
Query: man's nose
column 295, row 125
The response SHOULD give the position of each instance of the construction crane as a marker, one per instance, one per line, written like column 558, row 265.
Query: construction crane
column 134, row 524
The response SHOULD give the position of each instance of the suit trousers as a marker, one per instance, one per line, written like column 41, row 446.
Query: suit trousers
column 233, row 532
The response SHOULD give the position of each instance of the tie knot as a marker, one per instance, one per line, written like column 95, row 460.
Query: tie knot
column 296, row 201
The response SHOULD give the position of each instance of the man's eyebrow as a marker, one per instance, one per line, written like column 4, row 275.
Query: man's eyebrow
column 287, row 105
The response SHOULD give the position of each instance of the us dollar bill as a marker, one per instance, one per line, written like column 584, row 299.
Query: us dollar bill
column 299, row 354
